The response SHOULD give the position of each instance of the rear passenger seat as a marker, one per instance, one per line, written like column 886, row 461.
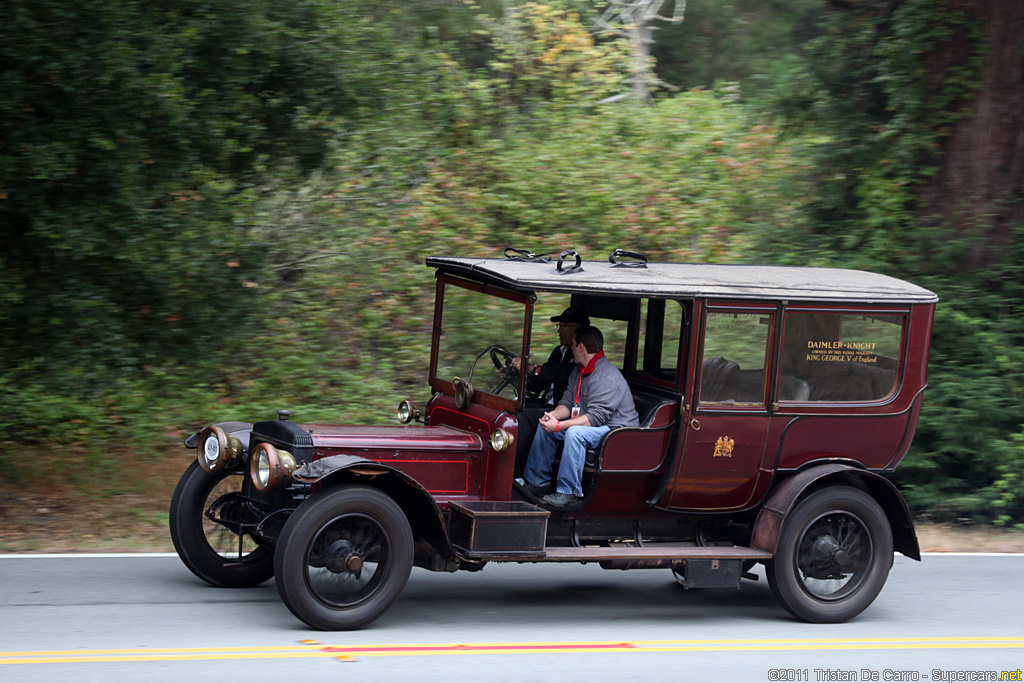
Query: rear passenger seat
column 647, row 407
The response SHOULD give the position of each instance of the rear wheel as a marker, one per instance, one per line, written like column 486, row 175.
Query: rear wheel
column 218, row 552
column 343, row 558
column 833, row 556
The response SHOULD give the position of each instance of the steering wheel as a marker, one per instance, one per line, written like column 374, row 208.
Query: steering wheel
column 502, row 360
column 501, row 357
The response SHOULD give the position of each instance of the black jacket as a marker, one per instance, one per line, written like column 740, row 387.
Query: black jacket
column 555, row 372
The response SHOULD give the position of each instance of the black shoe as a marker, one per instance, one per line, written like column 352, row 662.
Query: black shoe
column 535, row 491
column 562, row 500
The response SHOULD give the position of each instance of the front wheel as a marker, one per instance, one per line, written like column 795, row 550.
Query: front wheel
column 833, row 556
column 343, row 558
column 216, row 550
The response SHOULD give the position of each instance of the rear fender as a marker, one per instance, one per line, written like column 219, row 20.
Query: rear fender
column 434, row 550
column 780, row 503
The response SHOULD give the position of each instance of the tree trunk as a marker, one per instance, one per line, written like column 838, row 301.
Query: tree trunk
column 979, row 187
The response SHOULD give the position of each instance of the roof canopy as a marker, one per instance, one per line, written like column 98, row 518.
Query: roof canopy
column 688, row 280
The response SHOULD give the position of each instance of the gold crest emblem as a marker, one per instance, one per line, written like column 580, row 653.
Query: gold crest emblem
column 723, row 447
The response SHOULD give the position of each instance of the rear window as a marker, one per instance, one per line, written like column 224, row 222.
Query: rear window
column 828, row 357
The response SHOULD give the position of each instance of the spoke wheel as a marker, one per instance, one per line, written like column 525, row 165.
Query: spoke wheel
column 344, row 558
column 215, row 551
column 833, row 556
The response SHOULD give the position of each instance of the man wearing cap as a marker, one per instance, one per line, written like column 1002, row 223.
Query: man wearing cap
column 596, row 401
column 552, row 377
column 548, row 380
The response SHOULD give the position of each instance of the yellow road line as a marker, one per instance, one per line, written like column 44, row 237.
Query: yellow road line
column 349, row 652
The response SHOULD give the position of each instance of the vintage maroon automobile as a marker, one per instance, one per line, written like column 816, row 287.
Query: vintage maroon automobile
column 771, row 400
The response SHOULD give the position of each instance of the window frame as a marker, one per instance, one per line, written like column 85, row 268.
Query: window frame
column 771, row 310
column 637, row 353
column 445, row 386
column 904, row 312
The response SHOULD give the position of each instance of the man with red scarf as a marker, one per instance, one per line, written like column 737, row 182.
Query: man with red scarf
column 596, row 401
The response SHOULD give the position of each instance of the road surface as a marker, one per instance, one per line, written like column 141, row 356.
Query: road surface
column 145, row 617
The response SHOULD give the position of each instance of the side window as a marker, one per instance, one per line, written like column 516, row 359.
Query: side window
column 733, row 364
column 615, row 333
column 661, row 324
column 830, row 357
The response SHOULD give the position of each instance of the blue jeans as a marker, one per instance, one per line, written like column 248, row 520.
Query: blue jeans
column 570, row 471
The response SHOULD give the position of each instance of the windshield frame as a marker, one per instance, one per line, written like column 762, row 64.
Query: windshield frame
column 481, row 395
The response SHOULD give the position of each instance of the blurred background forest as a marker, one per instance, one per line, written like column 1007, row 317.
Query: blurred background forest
column 210, row 210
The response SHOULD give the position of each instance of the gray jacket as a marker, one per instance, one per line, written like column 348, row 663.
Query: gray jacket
column 604, row 396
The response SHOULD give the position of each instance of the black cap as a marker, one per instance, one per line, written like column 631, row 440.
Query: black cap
column 571, row 315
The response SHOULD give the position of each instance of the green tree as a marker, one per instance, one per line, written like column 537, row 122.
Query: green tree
column 898, row 94
column 131, row 134
column 742, row 41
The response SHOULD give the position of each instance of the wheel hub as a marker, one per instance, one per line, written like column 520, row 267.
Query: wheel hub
column 343, row 558
column 828, row 559
column 841, row 558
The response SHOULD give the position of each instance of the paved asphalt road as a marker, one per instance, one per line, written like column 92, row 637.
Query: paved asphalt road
column 146, row 618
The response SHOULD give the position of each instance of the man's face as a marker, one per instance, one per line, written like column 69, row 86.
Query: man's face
column 566, row 333
column 579, row 353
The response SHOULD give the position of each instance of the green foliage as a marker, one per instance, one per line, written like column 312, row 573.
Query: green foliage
column 209, row 213
column 744, row 41
column 880, row 93
column 880, row 113
column 543, row 54
column 967, row 454
column 690, row 178
column 128, row 135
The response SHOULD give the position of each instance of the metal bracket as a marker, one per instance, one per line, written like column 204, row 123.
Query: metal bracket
column 570, row 269
column 639, row 262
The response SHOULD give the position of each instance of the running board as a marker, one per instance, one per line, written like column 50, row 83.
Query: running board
column 514, row 531
column 693, row 566
column 648, row 556
column 654, row 552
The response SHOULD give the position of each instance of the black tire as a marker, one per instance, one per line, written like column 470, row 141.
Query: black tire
column 343, row 558
column 833, row 556
column 211, row 550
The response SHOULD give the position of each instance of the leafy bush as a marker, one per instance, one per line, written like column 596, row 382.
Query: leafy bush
column 210, row 215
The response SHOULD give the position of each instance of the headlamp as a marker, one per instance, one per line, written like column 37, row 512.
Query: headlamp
column 500, row 439
column 217, row 449
column 268, row 467
column 408, row 411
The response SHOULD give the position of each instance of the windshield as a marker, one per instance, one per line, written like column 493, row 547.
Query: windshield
column 481, row 327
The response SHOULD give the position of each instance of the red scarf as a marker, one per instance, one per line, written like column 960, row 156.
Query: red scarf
column 593, row 361
column 586, row 371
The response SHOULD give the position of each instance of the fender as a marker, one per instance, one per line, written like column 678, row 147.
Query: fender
column 776, row 509
column 424, row 515
column 240, row 429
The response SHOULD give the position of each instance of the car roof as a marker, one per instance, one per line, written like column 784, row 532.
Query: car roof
column 696, row 280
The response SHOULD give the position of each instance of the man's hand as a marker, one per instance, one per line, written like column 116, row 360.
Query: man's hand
column 513, row 367
column 548, row 422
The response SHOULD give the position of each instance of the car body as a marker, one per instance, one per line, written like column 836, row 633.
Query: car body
column 772, row 401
